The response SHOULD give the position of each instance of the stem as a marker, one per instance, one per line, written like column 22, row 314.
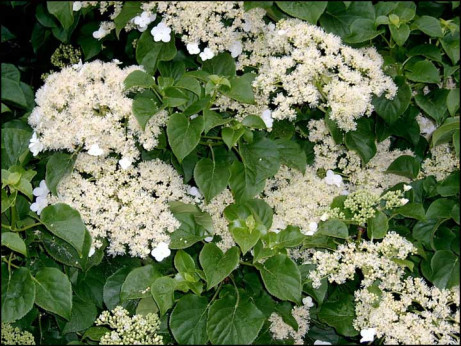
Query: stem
column 359, row 235
column 247, row 264
column 216, row 293
column 210, row 144
column 236, row 289
column 212, row 153
column 28, row 227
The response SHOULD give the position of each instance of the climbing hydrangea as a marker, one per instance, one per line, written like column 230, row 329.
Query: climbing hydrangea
column 15, row 336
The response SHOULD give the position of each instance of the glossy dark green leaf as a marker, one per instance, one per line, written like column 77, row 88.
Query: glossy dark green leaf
column 54, row 292
column 144, row 109
column 406, row 166
column 391, row 110
column 62, row 10
column 112, row 287
column 282, row 278
column 18, row 294
column 216, row 264
column 14, row 242
column 339, row 312
column 429, row 25
column 309, row 11
column 449, row 186
column 188, row 320
column 129, row 10
column 377, row 226
column 334, row 228
column 424, row 72
column 138, row 282
column 211, row 177
column 139, row 79
column 184, row 134
column 241, row 88
column 83, row 315
column 66, row 223
column 433, row 104
column 400, row 34
column 445, row 269
column 58, row 166
column 234, row 322
column 162, row 291
column 362, row 140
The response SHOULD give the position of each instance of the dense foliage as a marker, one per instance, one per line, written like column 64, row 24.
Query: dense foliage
column 230, row 173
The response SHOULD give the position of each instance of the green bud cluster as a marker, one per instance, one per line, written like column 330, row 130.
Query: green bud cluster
column 362, row 204
column 128, row 330
column 65, row 55
column 15, row 336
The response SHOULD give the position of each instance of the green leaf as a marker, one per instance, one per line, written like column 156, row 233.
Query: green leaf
column 146, row 306
column 433, row 104
column 54, row 292
column 242, row 182
column 18, row 294
column 14, row 242
column 162, row 291
column 188, row 233
column 95, row 333
column 139, row 79
column 400, row 34
column 450, row 44
column 66, row 223
column 183, row 262
column 12, row 88
column 230, row 136
column 63, row 11
column 129, row 10
column 377, row 226
column 362, row 140
column 428, row 50
column 14, row 145
column 391, row 110
column 184, row 134
column 444, row 133
column 112, row 287
column 211, row 177
column 445, row 269
column 412, row 210
column 291, row 154
column 138, row 282
column 406, row 166
column 440, row 209
column 245, row 237
column 149, row 53
column 261, row 158
column 144, row 109
column 241, row 88
column 361, row 30
column 282, row 278
column 213, row 119
column 424, row 72
column 429, row 25
column 188, row 320
column 222, row 65
column 58, row 166
column 217, row 265
column 449, row 186
column 289, row 237
column 83, row 315
column 234, row 322
column 307, row 10
column 190, row 84
column 456, row 143
column 453, row 102
column 339, row 312
column 334, row 228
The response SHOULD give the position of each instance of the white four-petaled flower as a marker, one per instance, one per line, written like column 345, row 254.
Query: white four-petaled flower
column 95, row 150
column 143, row 20
column 161, row 32
column 206, row 54
column 77, row 5
column 307, row 301
column 100, row 33
column 39, row 204
column 193, row 48
column 42, row 190
column 404, row 201
column 407, row 187
column 35, row 146
column 161, row 252
column 368, row 335
column 333, row 179
column 125, row 163
column 267, row 118
column 321, row 342
column 236, row 49
column 193, row 191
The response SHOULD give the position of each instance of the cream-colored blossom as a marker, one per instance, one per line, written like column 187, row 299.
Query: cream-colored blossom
column 443, row 162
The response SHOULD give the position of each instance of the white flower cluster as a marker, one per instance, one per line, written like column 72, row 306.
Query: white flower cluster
column 128, row 207
column 301, row 64
column 216, row 208
column 41, row 193
column 371, row 176
column 216, row 26
column 280, row 330
column 136, row 330
column 443, row 162
column 299, row 199
column 410, row 313
column 375, row 260
column 86, row 107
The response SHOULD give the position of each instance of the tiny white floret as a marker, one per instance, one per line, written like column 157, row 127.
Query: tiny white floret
column 208, row 239
column 161, row 252
column 321, row 342
column 143, row 20
column 307, row 301
column 193, row 191
column 236, row 49
column 404, row 201
column 77, row 5
column 92, row 251
column 324, row 217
